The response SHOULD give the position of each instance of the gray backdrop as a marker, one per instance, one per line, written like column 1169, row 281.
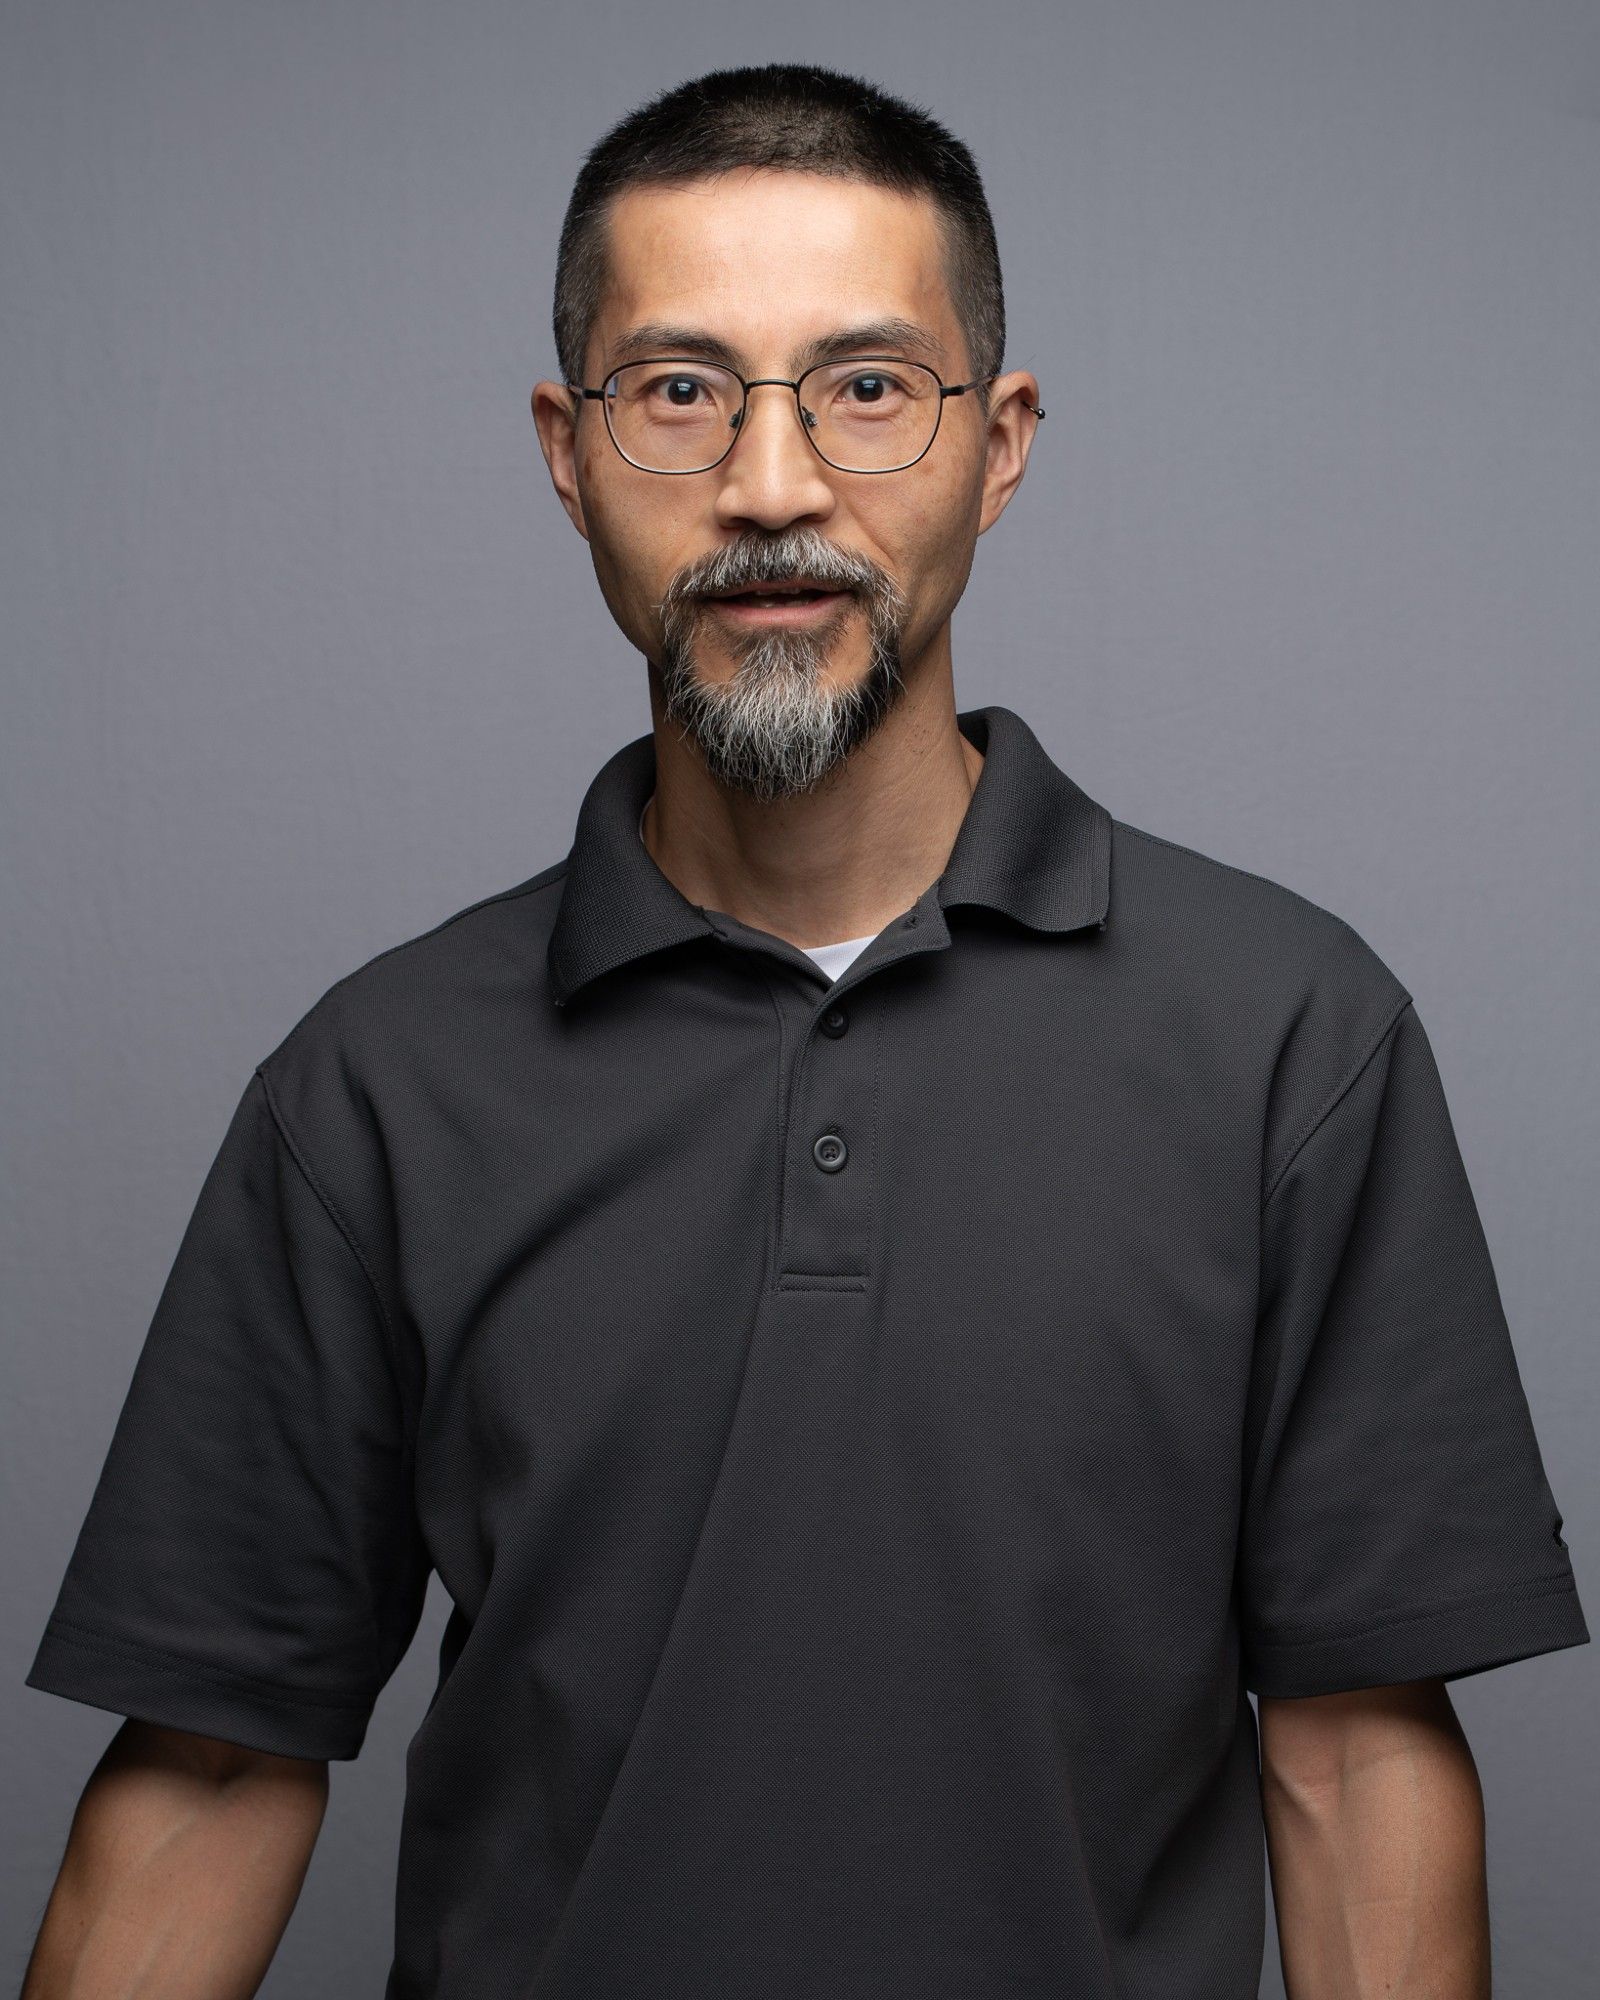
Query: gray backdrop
column 301, row 654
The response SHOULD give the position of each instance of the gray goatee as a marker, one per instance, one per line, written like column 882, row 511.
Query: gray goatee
column 776, row 729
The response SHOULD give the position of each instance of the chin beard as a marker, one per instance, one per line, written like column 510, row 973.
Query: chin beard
column 778, row 727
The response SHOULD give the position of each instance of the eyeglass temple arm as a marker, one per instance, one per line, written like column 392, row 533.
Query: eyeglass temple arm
column 961, row 388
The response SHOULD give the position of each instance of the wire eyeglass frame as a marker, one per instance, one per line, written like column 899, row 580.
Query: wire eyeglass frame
column 777, row 382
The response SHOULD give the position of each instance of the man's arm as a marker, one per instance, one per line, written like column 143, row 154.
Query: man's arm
column 1375, row 1836
column 184, row 1861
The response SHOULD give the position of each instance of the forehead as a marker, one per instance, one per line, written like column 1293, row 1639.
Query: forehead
column 770, row 259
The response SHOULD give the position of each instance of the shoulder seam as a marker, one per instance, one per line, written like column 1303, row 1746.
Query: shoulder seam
column 1339, row 1090
column 335, row 1216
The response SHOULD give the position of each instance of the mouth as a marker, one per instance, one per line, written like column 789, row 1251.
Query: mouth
column 777, row 603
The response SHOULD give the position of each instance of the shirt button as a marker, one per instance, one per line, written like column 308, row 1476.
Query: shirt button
column 830, row 1152
column 835, row 1021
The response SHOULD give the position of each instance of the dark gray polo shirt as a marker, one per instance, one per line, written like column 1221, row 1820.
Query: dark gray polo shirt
column 872, row 1437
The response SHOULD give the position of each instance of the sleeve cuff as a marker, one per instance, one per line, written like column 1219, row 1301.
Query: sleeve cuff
column 111, row 1673
column 1439, row 1642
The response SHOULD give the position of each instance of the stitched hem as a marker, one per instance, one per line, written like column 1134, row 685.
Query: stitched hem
column 1445, row 1642
column 163, row 1688
column 110, row 1642
column 1361, row 1628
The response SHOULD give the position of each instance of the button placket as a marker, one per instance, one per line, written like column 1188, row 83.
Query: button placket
column 827, row 1130
column 826, row 1200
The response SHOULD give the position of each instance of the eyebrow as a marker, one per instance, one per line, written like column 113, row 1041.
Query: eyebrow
column 871, row 336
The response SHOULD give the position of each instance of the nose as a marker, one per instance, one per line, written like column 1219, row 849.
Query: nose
column 772, row 476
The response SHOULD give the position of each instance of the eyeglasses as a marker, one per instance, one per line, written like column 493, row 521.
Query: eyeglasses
column 873, row 413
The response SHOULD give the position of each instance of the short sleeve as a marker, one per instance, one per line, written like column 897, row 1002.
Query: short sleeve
column 1397, row 1523
column 250, row 1566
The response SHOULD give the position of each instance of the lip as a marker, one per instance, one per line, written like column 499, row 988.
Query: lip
column 811, row 612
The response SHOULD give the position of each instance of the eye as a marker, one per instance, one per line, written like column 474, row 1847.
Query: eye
column 868, row 389
column 684, row 389
column 857, row 390
column 678, row 392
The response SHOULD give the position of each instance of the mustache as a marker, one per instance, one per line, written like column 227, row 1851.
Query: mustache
column 799, row 555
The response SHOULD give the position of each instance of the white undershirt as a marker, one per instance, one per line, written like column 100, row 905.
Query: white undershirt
column 833, row 958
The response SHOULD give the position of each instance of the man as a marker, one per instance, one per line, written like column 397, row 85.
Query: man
column 892, row 1300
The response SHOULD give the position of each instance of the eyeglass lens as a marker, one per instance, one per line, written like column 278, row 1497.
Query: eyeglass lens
column 862, row 415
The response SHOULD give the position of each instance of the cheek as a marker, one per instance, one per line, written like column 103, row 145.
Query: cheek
column 632, row 559
column 924, row 538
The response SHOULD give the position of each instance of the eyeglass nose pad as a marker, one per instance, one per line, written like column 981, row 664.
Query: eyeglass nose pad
column 806, row 417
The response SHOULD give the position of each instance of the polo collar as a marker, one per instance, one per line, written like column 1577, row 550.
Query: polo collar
column 1031, row 844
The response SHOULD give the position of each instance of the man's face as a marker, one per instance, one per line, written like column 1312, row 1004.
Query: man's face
column 766, row 263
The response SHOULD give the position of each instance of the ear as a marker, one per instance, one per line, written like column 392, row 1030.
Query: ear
column 555, row 418
column 1014, row 415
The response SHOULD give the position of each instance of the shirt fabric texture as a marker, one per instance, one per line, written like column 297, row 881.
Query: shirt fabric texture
column 873, row 1435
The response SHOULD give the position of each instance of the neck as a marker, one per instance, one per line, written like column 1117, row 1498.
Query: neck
column 836, row 863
